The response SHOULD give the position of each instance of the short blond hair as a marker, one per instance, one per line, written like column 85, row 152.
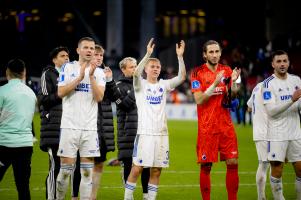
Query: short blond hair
column 123, row 62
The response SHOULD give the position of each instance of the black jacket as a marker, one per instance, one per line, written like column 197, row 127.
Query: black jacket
column 127, row 117
column 50, row 106
column 105, row 125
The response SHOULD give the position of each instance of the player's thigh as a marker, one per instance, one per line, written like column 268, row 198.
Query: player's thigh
column 294, row 151
column 228, row 145
column 207, row 147
column 69, row 143
column 89, row 144
column 144, row 148
column 161, row 158
column 277, row 150
column 262, row 150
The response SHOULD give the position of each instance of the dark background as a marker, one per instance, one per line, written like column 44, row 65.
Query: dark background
column 30, row 29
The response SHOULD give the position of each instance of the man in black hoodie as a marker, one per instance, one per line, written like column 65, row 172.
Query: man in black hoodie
column 50, row 106
column 127, row 119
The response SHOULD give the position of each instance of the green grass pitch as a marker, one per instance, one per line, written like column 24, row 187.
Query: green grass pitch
column 179, row 182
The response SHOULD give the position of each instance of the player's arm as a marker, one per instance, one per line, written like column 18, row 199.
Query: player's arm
column 64, row 90
column 274, row 109
column 174, row 82
column 236, row 81
column 97, row 90
column 141, row 65
column 47, row 95
column 202, row 97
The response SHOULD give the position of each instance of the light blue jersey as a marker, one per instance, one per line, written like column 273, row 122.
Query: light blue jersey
column 17, row 107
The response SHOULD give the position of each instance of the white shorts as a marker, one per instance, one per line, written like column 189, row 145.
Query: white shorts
column 262, row 150
column 72, row 140
column 279, row 150
column 151, row 151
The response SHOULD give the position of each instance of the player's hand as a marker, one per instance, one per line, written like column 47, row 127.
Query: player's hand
column 108, row 72
column 150, row 46
column 296, row 95
column 180, row 47
column 218, row 77
column 93, row 66
column 235, row 74
column 82, row 72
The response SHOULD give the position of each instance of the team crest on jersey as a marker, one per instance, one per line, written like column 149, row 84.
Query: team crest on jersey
column 267, row 95
column 204, row 157
column 195, row 84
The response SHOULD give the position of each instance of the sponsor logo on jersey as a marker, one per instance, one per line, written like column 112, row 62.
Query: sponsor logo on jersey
column 267, row 95
column 195, row 84
column 285, row 97
column 83, row 87
column 154, row 99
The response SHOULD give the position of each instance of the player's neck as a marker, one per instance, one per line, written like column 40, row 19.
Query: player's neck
column 152, row 80
column 84, row 63
column 212, row 67
column 281, row 76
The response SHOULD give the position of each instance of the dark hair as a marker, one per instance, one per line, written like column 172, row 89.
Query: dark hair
column 210, row 42
column 16, row 67
column 85, row 39
column 53, row 54
column 278, row 53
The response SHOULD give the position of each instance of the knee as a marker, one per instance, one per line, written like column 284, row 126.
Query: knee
column 66, row 170
column 155, row 172
column 86, row 173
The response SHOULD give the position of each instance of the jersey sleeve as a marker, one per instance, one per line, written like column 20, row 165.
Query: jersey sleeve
column 64, row 75
column 268, row 94
column 195, row 81
column 100, row 77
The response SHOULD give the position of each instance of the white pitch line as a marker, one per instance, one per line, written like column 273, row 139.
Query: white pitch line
column 161, row 186
column 176, row 172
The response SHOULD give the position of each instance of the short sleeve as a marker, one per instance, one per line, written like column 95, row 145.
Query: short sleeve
column 268, row 95
column 100, row 77
column 64, row 75
column 195, row 81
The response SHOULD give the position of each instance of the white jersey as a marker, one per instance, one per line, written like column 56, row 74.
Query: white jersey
column 79, row 107
column 286, row 125
column 151, row 103
column 259, row 115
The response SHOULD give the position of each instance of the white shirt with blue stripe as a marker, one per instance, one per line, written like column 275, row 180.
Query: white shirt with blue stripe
column 286, row 125
column 79, row 107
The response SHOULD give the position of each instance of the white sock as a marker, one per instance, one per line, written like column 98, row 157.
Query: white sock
column 277, row 188
column 261, row 177
column 152, row 191
column 145, row 196
column 96, row 182
column 129, row 190
column 62, row 181
column 298, row 187
column 85, row 188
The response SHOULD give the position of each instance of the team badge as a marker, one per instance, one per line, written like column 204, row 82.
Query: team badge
column 195, row 84
column 267, row 95
column 204, row 157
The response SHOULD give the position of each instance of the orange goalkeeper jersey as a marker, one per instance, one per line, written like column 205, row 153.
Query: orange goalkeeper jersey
column 212, row 116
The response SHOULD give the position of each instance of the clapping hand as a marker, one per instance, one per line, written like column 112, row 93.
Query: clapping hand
column 235, row 73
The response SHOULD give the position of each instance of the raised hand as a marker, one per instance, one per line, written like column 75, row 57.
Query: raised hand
column 150, row 46
column 235, row 74
column 180, row 47
column 93, row 66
